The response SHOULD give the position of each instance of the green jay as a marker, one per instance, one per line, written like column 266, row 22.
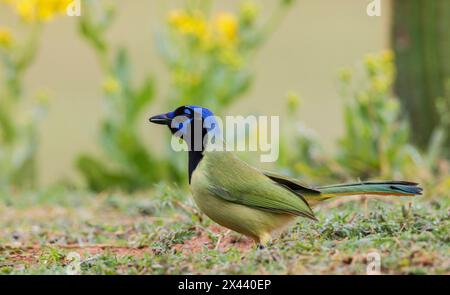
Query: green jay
column 250, row 201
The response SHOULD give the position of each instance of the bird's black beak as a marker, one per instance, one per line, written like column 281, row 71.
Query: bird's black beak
column 162, row 119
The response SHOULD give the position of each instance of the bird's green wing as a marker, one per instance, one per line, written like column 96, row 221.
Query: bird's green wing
column 291, row 183
column 233, row 180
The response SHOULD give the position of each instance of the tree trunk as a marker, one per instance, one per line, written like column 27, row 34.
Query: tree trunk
column 421, row 41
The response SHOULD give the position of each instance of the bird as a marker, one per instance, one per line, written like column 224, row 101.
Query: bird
column 253, row 202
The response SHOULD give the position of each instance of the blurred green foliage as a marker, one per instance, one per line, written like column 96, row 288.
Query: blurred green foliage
column 128, row 164
column 208, row 53
column 19, row 116
column 207, row 57
column 301, row 151
column 375, row 143
column 376, row 140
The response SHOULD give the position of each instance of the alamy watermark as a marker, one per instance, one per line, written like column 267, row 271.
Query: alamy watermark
column 233, row 133
column 374, row 8
column 373, row 263
column 74, row 8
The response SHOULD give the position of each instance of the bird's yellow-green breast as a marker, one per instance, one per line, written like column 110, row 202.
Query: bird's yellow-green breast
column 241, row 198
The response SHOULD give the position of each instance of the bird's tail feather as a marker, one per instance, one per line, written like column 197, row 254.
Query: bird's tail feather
column 388, row 188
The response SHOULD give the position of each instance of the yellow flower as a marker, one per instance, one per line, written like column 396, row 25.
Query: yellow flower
column 111, row 85
column 175, row 17
column 192, row 23
column 227, row 28
column 387, row 56
column 38, row 10
column 6, row 39
column 381, row 66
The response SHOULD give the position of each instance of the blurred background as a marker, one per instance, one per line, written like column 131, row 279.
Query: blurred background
column 362, row 88
column 359, row 96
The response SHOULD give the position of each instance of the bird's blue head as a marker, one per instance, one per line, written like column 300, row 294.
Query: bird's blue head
column 191, row 123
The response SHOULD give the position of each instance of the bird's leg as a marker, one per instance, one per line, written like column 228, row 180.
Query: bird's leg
column 220, row 239
column 263, row 241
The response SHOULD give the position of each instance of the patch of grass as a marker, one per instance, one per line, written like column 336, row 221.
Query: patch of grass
column 162, row 232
